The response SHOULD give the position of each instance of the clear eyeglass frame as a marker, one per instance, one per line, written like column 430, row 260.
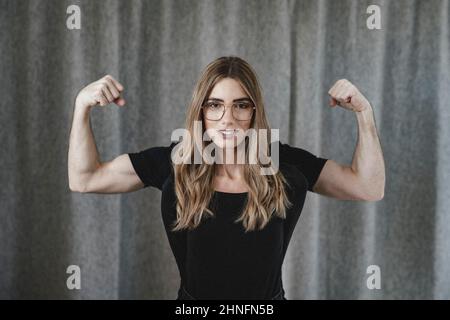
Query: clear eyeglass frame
column 222, row 105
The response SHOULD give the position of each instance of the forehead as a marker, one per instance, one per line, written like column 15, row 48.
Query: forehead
column 228, row 89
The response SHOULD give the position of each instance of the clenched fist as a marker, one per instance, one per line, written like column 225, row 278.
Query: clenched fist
column 345, row 94
column 103, row 91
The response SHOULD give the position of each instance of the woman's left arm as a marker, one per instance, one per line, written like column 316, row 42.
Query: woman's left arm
column 365, row 178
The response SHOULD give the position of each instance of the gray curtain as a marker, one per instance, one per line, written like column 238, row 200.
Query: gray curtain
column 157, row 49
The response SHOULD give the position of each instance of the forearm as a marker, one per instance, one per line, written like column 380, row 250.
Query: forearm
column 368, row 162
column 83, row 158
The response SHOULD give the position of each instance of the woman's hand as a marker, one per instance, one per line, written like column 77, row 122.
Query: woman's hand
column 343, row 93
column 103, row 91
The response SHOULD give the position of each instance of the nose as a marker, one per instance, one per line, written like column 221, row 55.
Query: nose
column 227, row 117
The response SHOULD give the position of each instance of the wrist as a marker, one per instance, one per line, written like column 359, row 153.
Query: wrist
column 365, row 112
column 366, row 117
column 82, row 111
column 81, row 107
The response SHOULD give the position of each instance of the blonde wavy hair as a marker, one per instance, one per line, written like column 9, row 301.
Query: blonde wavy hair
column 194, row 186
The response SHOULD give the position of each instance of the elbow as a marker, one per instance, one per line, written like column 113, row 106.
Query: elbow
column 374, row 196
column 76, row 185
column 77, row 188
column 372, row 189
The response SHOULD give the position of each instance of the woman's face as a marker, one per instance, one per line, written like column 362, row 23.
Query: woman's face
column 228, row 91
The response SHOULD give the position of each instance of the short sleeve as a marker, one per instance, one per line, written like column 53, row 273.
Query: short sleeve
column 306, row 162
column 153, row 165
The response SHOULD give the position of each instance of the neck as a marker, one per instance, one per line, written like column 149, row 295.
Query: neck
column 232, row 171
column 227, row 166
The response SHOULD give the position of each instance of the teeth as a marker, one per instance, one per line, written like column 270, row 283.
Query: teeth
column 228, row 132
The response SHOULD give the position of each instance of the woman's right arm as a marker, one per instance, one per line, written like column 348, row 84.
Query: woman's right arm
column 87, row 173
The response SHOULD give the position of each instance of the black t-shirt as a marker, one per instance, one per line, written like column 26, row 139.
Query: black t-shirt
column 218, row 260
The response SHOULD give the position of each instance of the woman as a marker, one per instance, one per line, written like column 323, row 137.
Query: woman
column 228, row 225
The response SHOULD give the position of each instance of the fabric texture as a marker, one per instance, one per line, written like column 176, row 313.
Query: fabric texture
column 157, row 50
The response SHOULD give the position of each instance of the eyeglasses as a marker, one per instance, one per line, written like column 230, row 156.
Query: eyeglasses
column 241, row 111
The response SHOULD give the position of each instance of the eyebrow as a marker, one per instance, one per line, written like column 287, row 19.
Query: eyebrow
column 235, row 100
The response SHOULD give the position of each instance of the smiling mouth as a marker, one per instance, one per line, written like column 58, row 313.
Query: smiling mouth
column 228, row 133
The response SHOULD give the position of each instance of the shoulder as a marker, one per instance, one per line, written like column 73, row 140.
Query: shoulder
column 294, row 177
column 303, row 160
column 153, row 153
column 290, row 154
column 153, row 165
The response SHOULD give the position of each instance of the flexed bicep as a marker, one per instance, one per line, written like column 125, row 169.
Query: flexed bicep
column 340, row 182
column 115, row 176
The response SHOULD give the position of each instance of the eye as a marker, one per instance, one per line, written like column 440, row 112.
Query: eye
column 212, row 105
column 243, row 106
